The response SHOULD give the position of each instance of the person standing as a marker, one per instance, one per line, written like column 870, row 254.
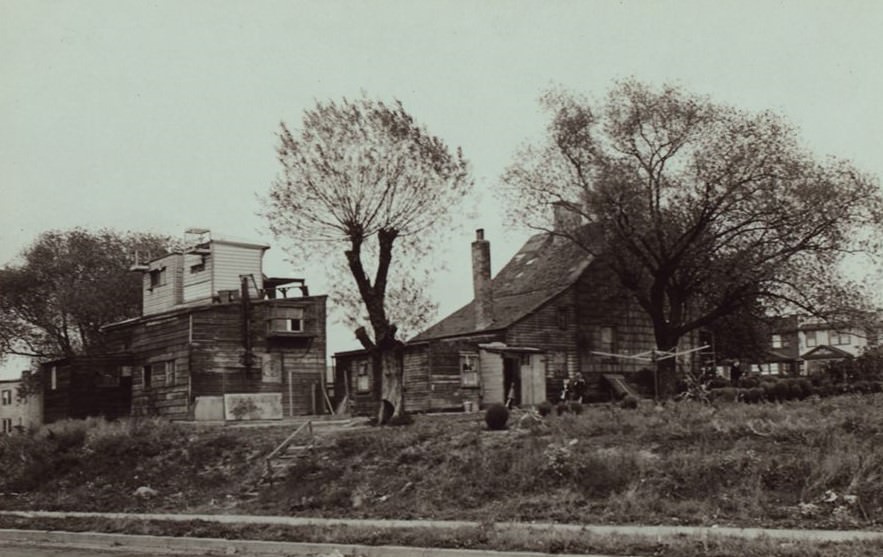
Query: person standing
column 735, row 373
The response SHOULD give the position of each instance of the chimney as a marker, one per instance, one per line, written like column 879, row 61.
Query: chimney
column 566, row 219
column 481, row 281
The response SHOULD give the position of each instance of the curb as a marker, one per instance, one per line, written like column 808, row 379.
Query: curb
column 203, row 546
column 588, row 529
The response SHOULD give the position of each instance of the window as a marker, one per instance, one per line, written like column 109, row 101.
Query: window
column 562, row 318
column 198, row 267
column 777, row 341
column 362, row 377
column 7, row 425
column 7, row 397
column 53, row 379
column 158, row 277
column 170, row 372
column 469, row 369
column 840, row 338
column 810, row 338
column 287, row 320
column 608, row 339
column 147, row 376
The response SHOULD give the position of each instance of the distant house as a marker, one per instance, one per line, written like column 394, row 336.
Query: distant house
column 538, row 321
column 17, row 412
column 216, row 340
column 803, row 345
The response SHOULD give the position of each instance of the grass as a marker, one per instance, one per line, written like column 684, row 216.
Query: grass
column 482, row 537
column 815, row 463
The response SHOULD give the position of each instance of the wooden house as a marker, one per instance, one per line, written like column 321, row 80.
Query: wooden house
column 538, row 322
column 80, row 387
column 217, row 340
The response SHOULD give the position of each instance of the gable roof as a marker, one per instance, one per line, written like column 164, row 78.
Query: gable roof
column 541, row 270
column 825, row 352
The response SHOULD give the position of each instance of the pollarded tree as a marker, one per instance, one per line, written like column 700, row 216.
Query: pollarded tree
column 360, row 178
column 67, row 285
column 699, row 209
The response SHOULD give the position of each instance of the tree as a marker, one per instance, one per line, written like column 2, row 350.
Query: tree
column 359, row 179
column 66, row 287
column 699, row 209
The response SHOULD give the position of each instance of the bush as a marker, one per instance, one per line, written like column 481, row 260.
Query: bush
column 544, row 408
column 754, row 395
column 629, row 402
column 725, row 394
column 496, row 417
column 575, row 407
column 561, row 408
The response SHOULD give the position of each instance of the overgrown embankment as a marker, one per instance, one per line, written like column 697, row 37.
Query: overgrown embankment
column 815, row 463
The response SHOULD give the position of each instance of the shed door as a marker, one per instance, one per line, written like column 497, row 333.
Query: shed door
column 533, row 379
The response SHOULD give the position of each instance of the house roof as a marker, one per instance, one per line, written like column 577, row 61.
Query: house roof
column 826, row 352
column 541, row 270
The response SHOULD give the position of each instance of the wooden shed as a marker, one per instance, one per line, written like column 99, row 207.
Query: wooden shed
column 81, row 387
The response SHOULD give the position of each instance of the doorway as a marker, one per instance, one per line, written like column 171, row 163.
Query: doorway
column 512, row 380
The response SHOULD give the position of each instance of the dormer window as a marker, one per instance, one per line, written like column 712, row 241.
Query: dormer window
column 158, row 277
column 287, row 320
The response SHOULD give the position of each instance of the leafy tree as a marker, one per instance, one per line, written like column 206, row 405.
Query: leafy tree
column 698, row 208
column 67, row 285
column 359, row 179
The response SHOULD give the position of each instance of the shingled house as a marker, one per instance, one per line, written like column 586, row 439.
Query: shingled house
column 216, row 340
column 537, row 322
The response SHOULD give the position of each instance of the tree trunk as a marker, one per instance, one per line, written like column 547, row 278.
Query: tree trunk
column 666, row 369
column 392, row 399
column 666, row 377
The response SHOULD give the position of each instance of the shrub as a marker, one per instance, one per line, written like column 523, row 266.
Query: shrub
column 629, row 402
column 496, row 417
column 754, row 395
column 575, row 407
column 725, row 394
column 561, row 408
column 749, row 382
column 718, row 383
column 544, row 408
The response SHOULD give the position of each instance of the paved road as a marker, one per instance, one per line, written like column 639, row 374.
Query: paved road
column 31, row 551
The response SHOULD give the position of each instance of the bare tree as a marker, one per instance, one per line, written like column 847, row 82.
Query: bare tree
column 699, row 209
column 359, row 178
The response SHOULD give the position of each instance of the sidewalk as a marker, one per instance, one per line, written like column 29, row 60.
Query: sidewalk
column 592, row 529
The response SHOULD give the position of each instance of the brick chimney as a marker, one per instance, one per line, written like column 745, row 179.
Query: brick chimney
column 481, row 281
column 566, row 220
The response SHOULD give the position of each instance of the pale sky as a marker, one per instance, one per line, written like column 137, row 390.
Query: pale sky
column 158, row 116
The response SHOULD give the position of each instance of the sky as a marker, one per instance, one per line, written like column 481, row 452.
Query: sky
column 158, row 116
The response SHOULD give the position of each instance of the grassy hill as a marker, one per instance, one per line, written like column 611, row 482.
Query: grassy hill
column 816, row 463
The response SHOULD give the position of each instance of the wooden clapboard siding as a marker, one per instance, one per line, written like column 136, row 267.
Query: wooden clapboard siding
column 164, row 297
column 446, row 391
column 208, row 345
column 82, row 390
column 56, row 402
column 415, row 362
column 197, row 285
column 233, row 260
column 598, row 305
